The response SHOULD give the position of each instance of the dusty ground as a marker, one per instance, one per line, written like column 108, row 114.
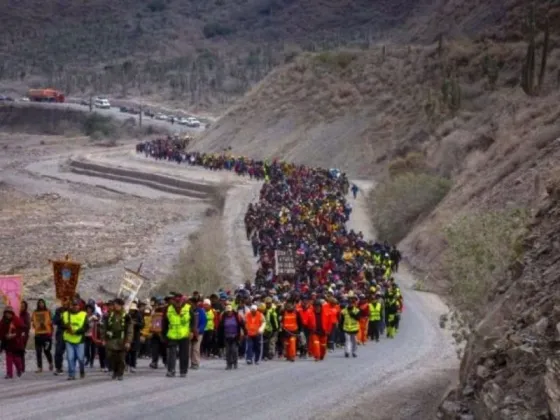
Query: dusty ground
column 103, row 224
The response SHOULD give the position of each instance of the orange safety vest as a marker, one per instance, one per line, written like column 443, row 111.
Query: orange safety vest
column 290, row 321
column 253, row 323
column 42, row 322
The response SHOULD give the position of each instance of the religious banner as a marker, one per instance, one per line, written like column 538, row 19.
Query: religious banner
column 157, row 319
column 11, row 290
column 41, row 322
column 66, row 276
column 130, row 286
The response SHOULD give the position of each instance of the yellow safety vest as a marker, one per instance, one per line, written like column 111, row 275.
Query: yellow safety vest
column 375, row 311
column 210, row 315
column 350, row 325
column 270, row 314
column 179, row 324
column 76, row 321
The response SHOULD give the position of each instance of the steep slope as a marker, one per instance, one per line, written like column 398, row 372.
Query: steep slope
column 511, row 368
column 208, row 52
column 361, row 109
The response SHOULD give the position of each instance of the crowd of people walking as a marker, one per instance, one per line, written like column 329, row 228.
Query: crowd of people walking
column 338, row 294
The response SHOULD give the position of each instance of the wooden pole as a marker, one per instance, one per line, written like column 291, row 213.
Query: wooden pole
column 139, row 268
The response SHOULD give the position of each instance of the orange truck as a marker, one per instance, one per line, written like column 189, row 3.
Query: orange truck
column 45, row 95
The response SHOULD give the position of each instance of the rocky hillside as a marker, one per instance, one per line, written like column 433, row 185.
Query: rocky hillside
column 208, row 52
column 511, row 368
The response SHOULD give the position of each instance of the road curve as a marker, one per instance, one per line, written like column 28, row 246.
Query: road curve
column 275, row 390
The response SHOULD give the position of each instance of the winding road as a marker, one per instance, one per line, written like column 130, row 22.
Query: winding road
column 332, row 389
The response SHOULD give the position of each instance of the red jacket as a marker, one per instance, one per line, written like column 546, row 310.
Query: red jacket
column 306, row 316
column 15, row 325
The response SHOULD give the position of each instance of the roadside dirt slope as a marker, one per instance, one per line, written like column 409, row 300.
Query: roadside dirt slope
column 512, row 367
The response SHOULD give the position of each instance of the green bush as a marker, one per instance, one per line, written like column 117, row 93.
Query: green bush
column 398, row 203
column 157, row 6
column 97, row 125
column 341, row 59
column 480, row 248
column 212, row 30
column 413, row 162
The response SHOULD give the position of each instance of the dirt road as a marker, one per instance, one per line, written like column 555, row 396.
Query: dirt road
column 383, row 374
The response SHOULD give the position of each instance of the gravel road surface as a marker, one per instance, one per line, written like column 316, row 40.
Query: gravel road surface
column 273, row 390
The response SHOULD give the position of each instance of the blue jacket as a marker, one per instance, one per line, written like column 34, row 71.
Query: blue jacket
column 201, row 320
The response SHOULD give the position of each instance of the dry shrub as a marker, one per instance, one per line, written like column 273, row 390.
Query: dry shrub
column 202, row 264
column 413, row 162
column 481, row 247
column 340, row 59
column 398, row 203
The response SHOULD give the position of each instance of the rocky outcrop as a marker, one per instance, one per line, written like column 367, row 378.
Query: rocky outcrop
column 511, row 366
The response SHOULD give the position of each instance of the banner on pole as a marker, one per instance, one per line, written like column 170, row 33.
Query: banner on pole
column 130, row 286
column 66, row 276
column 11, row 290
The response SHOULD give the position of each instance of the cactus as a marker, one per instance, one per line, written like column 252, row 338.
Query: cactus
column 491, row 70
column 455, row 93
column 430, row 106
column 544, row 53
column 440, row 44
column 528, row 70
column 445, row 91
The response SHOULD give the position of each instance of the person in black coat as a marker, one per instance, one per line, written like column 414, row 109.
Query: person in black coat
column 137, row 324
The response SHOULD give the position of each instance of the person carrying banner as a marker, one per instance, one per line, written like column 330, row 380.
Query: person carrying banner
column 157, row 340
column 43, row 327
column 179, row 327
column 75, row 326
column 117, row 335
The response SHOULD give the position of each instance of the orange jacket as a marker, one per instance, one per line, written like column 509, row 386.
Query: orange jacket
column 253, row 323
column 364, row 310
column 306, row 316
column 334, row 311
column 326, row 321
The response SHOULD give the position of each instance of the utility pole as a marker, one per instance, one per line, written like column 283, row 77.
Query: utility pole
column 140, row 117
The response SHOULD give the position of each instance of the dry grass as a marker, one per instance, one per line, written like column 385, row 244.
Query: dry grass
column 481, row 247
column 202, row 265
column 397, row 204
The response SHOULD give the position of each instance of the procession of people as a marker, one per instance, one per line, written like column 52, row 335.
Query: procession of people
column 338, row 294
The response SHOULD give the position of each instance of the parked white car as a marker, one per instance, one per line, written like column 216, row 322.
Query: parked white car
column 182, row 121
column 102, row 103
column 192, row 122
column 162, row 117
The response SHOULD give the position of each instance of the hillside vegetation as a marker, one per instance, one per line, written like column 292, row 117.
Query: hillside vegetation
column 207, row 52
